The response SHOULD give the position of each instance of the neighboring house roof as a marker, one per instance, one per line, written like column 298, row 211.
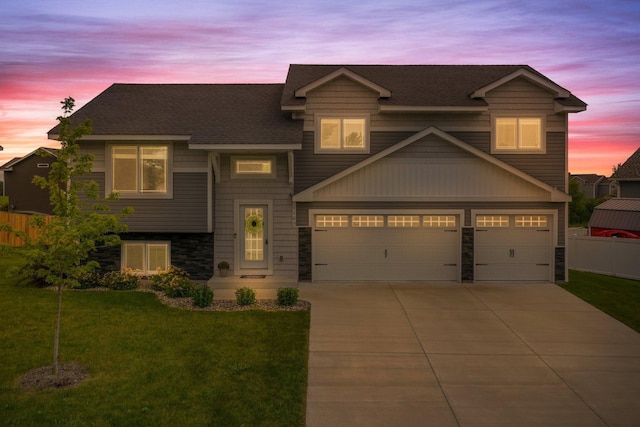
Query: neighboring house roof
column 200, row 113
column 404, row 86
column 629, row 169
column 589, row 178
column 53, row 152
column 622, row 214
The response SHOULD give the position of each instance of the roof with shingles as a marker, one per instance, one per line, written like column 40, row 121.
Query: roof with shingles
column 208, row 113
column 588, row 178
column 52, row 152
column 416, row 85
column 622, row 214
column 629, row 169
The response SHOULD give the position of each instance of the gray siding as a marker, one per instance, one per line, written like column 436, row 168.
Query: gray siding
column 185, row 213
column 518, row 97
column 284, row 234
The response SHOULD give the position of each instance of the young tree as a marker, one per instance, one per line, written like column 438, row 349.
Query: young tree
column 82, row 221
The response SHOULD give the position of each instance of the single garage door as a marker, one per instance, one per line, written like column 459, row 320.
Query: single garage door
column 513, row 247
column 386, row 247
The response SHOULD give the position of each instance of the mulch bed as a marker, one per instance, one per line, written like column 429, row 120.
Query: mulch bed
column 69, row 375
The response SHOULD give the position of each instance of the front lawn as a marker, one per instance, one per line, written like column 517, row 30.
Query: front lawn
column 620, row 298
column 150, row 364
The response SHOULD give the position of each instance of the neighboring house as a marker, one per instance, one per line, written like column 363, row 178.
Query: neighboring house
column 628, row 176
column 24, row 195
column 595, row 186
column 616, row 214
column 455, row 173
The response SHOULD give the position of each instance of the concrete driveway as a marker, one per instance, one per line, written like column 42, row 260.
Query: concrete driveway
column 449, row 354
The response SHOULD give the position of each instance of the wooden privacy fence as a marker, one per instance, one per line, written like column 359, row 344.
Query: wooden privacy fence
column 605, row 255
column 18, row 222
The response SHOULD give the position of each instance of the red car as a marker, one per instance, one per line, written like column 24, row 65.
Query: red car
column 616, row 233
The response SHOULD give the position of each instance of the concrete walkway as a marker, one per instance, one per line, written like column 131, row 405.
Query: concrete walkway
column 413, row 354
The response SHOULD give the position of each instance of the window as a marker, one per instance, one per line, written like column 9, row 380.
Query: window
column 492, row 221
column 342, row 135
column 367, row 221
column 140, row 170
column 403, row 221
column 263, row 167
column 332, row 221
column 439, row 221
column 145, row 257
column 518, row 134
column 531, row 221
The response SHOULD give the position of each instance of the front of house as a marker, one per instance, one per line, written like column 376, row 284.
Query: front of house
column 448, row 173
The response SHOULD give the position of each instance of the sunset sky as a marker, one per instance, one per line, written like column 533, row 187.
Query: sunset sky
column 51, row 49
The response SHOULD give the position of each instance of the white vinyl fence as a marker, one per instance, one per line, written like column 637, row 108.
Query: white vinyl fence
column 605, row 255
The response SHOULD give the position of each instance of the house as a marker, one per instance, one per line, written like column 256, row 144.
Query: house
column 595, row 186
column 24, row 195
column 628, row 177
column 616, row 214
column 343, row 172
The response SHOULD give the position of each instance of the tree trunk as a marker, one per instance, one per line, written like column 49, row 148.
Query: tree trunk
column 56, row 338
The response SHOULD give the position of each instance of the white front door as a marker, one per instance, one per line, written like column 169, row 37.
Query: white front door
column 253, row 238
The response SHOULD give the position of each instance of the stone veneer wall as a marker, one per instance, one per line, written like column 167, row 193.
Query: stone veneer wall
column 560, row 259
column 192, row 252
column 304, row 254
column 467, row 254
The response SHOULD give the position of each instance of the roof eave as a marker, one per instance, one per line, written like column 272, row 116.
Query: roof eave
column 431, row 109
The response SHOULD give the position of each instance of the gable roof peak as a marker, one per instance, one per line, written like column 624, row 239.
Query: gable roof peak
column 343, row 71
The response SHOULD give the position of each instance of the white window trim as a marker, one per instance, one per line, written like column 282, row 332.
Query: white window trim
column 108, row 185
column 235, row 175
column 146, row 244
column 517, row 149
column 341, row 117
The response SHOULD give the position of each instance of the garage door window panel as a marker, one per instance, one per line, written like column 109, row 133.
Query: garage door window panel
column 367, row 221
column 403, row 221
column 332, row 221
column 492, row 221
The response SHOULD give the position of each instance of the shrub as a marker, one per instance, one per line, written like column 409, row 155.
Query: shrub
column 89, row 279
column 287, row 296
column 202, row 296
column 120, row 280
column 245, row 296
column 160, row 281
column 179, row 287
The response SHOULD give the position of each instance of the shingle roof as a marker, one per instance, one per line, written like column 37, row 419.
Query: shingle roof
column 209, row 113
column 623, row 214
column 416, row 85
column 52, row 151
column 629, row 169
column 589, row 178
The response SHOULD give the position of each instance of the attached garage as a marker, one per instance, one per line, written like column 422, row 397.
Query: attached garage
column 513, row 247
column 386, row 246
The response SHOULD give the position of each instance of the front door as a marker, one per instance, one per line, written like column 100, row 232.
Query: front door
column 253, row 237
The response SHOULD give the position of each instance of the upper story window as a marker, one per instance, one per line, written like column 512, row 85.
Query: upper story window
column 139, row 170
column 518, row 134
column 342, row 135
column 253, row 167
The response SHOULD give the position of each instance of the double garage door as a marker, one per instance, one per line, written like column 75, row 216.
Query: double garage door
column 386, row 247
column 428, row 247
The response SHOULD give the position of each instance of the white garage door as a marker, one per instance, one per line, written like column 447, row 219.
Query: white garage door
column 513, row 247
column 386, row 247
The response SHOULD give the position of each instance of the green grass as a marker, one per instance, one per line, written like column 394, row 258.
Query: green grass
column 150, row 364
column 620, row 298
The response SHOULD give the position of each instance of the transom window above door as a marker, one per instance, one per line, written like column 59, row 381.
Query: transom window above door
column 341, row 135
column 253, row 167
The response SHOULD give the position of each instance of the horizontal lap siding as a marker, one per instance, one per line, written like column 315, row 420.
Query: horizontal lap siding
column 185, row 213
column 284, row 234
